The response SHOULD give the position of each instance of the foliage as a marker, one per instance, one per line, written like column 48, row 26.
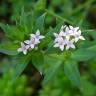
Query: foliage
column 60, row 86
column 48, row 16
column 10, row 88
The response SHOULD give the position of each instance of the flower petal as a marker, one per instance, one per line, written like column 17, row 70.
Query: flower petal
column 32, row 35
column 25, row 52
column 82, row 38
column 27, row 41
column 32, row 46
column 36, row 41
column 62, row 33
column 61, row 47
column 76, row 39
column 71, row 27
column 56, row 45
column 76, row 28
column 67, row 29
column 79, row 32
column 37, row 32
column 22, row 44
column 55, row 34
column 73, row 46
column 62, row 27
column 41, row 37
column 27, row 46
column 19, row 49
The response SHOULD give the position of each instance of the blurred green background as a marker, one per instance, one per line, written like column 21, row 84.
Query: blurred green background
column 77, row 12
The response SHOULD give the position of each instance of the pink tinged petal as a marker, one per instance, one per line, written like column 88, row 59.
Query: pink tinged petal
column 79, row 32
column 38, row 33
column 56, row 45
column 58, row 39
column 62, row 33
column 25, row 52
column 65, row 42
column 27, row 46
column 19, row 49
column 71, row 32
column 36, row 41
column 27, row 41
column 61, row 47
column 82, row 38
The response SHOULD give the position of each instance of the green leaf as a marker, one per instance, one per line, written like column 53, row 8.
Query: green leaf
column 8, row 48
column 38, row 60
column 50, row 33
column 89, row 88
column 4, row 27
column 25, row 22
column 72, row 73
column 83, row 54
column 12, row 32
column 52, row 66
column 20, row 64
column 8, row 52
column 40, row 22
column 93, row 47
column 40, row 5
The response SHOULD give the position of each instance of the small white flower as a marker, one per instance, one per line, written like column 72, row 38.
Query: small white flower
column 78, row 36
column 67, row 37
column 23, row 48
column 70, row 44
column 57, row 37
column 61, row 43
column 73, row 30
column 66, row 33
column 37, row 35
column 32, row 42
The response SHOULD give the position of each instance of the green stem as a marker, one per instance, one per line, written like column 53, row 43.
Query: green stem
column 86, row 6
column 59, row 17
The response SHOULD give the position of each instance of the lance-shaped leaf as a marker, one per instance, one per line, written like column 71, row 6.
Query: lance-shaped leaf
column 72, row 73
column 38, row 60
column 8, row 49
column 8, row 52
column 40, row 22
column 20, row 63
column 83, row 54
column 51, row 68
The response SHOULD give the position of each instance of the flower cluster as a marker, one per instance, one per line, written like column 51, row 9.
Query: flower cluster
column 27, row 44
column 67, row 37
